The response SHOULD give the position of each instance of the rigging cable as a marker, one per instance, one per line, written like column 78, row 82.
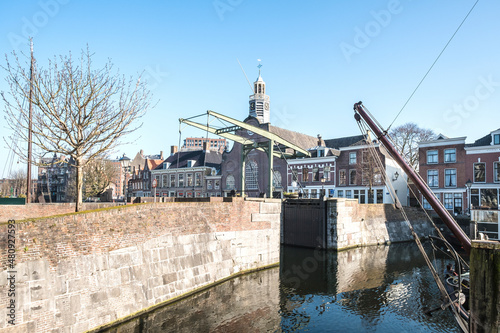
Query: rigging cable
column 435, row 275
column 435, row 61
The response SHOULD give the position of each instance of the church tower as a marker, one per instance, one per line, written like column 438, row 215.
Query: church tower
column 259, row 101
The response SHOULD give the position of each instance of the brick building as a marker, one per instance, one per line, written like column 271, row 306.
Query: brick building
column 448, row 164
column 343, row 168
column 198, row 144
column 189, row 174
column 54, row 175
column 442, row 166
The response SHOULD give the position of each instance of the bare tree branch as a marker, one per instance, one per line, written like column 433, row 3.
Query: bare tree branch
column 78, row 111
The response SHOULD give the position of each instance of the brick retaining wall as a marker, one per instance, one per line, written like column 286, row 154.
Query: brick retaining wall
column 80, row 271
column 34, row 210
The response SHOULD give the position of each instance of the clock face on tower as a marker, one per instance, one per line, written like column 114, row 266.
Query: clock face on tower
column 266, row 106
column 252, row 105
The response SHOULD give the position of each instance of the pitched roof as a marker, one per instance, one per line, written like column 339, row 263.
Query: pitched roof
column 484, row 141
column 180, row 159
column 345, row 141
column 302, row 140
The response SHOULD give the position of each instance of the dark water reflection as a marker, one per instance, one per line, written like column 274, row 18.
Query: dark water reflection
column 373, row 289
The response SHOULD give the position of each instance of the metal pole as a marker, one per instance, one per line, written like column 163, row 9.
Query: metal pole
column 422, row 187
column 28, row 175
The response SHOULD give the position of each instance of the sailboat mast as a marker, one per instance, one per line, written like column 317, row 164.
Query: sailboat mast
column 422, row 187
column 28, row 173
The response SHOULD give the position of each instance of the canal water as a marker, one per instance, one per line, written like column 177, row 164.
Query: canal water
column 371, row 289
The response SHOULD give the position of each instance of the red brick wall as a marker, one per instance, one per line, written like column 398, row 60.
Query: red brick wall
column 20, row 212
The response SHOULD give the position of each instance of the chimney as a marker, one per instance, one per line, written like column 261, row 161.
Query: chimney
column 321, row 142
column 161, row 154
column 173, row 150
column 206, row 148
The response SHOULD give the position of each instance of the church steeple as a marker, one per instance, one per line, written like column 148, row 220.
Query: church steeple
column 259, row 101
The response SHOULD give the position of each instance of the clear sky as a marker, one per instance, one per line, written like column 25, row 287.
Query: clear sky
column 318, row 57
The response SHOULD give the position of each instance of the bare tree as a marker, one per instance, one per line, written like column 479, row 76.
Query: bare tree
column 98, row 174
column 78, row 111
column 406, row 138
column 371, row 174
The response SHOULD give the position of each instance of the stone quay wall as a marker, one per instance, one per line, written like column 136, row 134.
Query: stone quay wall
column 80, row 271
column 350, row 224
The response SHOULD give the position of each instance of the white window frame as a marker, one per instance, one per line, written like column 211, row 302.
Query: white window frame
column 450, row 152
column 352, row 158
column 446, row 179
column 429, row 155
column 436, row 176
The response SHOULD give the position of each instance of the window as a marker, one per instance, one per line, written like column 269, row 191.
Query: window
column 251, row 174
column 352, row 158
column 305, row 174
column 340, row 194
column 348, row 194
column 197, row 179
column 371, row 196
column 295, row 175
column 321, row 152
column 230, row 183
column 432, row 178
column 326, row 173
column 377, row 177
column 448, row 200
column 450, row 177
column 164, row 181
column 181, row 180
column 352, row 177
column 172, row 180
column 316, row 174
column 489, row 198
column 362, row 197
column 277, row 179
column 209, row 184
column 450, row 155
column 425, row 203
column 380, row 196
column 356, row 194
column 342, row 177
column 217, row 184
column 474, row 197
column 432, row 156
column 314, row 194
column 189, row 179
column 496, row 172
column 496, row 139
column 479, row 172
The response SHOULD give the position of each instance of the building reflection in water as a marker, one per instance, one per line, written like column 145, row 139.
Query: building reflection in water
column 371, row 289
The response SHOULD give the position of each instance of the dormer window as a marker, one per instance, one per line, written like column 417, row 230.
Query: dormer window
column 496, row 139
column 191, row 163
column 321, row 152
column 166, row 165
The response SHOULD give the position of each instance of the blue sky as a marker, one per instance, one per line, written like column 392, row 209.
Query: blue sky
column 318, row 58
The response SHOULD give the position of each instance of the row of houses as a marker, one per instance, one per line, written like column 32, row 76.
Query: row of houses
column 464, row 176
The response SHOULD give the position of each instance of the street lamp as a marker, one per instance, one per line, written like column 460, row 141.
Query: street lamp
column 323, row 180
column 468, row 185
